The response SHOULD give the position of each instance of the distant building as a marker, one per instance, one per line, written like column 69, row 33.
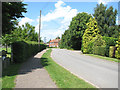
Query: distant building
column 54, row 43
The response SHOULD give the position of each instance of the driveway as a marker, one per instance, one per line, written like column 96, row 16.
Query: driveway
column 101, row 73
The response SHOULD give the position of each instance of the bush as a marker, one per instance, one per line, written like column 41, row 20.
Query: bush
column 99, row 50
column 110, row 41
column 117, row 52
column 90, row 33
column 112, row 51
column 99, row 46
column 23, row 50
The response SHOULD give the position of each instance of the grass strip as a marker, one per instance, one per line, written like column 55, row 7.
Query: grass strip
column 9, row 75
column 105, row 58
column 62, row 77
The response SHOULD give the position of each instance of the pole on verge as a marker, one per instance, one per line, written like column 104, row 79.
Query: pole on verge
column 39, row 30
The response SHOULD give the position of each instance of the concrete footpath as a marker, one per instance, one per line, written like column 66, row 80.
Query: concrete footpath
column 33, row 75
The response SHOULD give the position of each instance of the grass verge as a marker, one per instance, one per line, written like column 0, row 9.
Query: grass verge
column 9, row 74
column 105, row 58
column 62, row 77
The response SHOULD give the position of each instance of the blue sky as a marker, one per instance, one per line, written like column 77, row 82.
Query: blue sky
column 56, row 16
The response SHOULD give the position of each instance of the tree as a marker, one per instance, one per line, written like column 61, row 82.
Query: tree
column 106, row 19
column 90, row 33
column 72, row 38
column 10, row 12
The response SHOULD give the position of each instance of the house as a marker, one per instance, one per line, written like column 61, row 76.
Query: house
column 54, row 43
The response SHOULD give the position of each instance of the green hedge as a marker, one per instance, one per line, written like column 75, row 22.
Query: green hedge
column 23, row 50
column 99, row 50
column 112, row 51
column 110, row 41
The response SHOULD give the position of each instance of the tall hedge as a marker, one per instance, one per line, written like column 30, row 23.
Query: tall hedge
column 91, row 32
column 117, row 52
column 110, row 41
column 99, row 45
column 23, row 50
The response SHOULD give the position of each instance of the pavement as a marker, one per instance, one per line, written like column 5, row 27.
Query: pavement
column 100, row 73
column 33, row 75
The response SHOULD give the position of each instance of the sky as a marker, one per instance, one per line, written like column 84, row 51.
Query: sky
column 56, row 16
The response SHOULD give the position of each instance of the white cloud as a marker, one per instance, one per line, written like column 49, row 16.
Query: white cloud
column 62, row 14
column 25, row 20
column 104, row 1
column 60, row 11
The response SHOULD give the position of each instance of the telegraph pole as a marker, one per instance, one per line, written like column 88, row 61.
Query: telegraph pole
column 39, row 29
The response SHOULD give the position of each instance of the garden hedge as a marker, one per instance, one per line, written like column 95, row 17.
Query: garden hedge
column 23, row 50
column 112, row 51
column 110, row 41
column 117, row 52
column 99, row 50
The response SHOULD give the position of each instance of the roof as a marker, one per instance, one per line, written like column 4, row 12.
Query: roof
column 55, row 40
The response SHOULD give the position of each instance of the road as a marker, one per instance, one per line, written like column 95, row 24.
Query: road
column 99, row 72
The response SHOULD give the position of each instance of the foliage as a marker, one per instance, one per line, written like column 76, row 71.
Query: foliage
column 110, row 41
column 10, row 12
column 112, row 51
column 99, row 50
column 106, row 19
column 99, row 45
column 90, row 33
column 22, row 33
column 72, row 38
column 117, row 52
column 23, row 50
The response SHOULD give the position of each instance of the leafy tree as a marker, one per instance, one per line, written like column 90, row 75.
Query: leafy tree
column 106, row 19
column 10, row 12
column 77, row 27
column 72, row 38
column 90, row 33
column 22, row 33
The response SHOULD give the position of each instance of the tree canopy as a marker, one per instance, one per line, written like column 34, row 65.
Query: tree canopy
column 106, row 19
column 10, row 12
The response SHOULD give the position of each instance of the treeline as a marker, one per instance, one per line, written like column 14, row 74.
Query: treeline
column 92, row 33
column 23, row 39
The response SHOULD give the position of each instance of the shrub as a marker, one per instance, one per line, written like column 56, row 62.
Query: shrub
column 110, row 41
column 99, row 46
column 117, row 52
column 91, row 32
column 112, row 51
column 99, row 50
column 23, row 50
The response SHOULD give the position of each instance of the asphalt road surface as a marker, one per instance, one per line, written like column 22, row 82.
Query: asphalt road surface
column 99, row 72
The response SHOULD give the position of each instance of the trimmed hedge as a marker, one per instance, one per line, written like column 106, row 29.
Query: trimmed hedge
column 99, row 50
column 23, row 50
column 112, row 51
column 117, row 52
column 110, row 41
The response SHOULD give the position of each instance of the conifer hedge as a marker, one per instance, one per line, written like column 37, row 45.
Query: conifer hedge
column 23, row 50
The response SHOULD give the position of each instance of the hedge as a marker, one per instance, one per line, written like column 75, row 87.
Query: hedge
column 23, row 50
column 110, row 41
column 112, row 51
column 99, row 50
column 117, row 52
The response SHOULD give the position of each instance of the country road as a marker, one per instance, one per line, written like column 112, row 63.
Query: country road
column 101, row 73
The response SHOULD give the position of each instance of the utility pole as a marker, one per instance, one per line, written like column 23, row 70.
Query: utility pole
column 39, row 29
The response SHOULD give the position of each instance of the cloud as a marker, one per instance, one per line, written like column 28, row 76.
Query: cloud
column 60, row 11
column 25, row 20
column 104, row 1
column 62, row 14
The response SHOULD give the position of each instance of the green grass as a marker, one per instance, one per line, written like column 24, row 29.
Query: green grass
column 105, row 58
column 62, row 77
column 9, row 75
